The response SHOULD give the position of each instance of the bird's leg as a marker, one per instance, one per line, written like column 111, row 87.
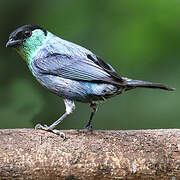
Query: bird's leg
column 93, row 107
column 70, row 106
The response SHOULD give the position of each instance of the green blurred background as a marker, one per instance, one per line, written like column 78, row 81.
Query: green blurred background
column 140, row 39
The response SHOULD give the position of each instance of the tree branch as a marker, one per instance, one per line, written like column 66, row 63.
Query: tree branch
column 136, row 154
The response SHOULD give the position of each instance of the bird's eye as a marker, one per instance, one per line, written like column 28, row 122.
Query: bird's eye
column 28, row 33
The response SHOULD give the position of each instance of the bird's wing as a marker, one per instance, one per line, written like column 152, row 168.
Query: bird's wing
column 76, row 68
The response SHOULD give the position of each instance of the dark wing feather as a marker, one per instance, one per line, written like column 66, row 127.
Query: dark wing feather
column 76, row 68
column 107, row 67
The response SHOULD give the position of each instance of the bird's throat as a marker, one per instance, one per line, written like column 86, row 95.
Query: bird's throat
column 31, row 46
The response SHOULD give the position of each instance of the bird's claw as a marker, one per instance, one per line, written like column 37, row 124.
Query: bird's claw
column 88, row 127
column 39, row 126
column 48, row 128
column 62, row 134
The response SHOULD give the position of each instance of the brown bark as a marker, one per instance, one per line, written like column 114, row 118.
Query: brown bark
column 136, row 154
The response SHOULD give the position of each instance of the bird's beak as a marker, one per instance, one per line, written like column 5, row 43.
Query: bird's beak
column 13, row 43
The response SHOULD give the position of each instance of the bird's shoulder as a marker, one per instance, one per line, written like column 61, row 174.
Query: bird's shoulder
column 58, row 54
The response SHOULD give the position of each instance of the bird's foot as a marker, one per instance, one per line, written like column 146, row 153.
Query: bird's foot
column 88, row 127
column 48, row 128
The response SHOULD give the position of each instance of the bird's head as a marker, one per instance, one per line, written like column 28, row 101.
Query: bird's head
column 27, row 39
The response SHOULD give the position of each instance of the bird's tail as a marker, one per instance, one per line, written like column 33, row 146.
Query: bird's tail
column 144, row 84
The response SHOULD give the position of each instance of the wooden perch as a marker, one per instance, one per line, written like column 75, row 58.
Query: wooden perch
column 136, row 154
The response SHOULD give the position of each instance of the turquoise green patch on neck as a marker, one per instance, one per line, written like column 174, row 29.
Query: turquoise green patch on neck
column 31, row 45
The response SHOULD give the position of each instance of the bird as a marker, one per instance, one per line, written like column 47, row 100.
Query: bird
column 72, row 72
